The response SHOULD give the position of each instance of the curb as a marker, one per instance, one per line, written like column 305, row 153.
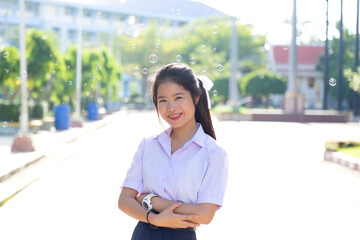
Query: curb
column 343, row 159
column 7, row 175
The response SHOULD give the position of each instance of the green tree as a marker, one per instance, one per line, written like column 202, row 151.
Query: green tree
column 203, row 44
column 9, row 74
column 100, row 73
column 44, row 65
column 348, row 63
column 262, row 84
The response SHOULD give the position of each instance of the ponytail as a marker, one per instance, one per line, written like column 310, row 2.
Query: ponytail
column 202, row 112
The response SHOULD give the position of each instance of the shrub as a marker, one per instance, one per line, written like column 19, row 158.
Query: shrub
column 37, row 112
column 9, row 112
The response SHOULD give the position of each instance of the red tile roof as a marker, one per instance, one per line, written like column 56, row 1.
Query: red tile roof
column 305, row 54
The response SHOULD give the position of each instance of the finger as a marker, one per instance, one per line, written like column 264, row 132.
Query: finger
column 174, row 206
column 189, row 217
column 190, row 224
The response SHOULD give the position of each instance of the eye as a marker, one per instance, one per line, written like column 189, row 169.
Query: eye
column 162, row 100
column 178, row 97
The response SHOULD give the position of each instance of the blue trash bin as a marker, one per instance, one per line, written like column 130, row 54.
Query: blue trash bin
column 62, row 117
column 93, row 111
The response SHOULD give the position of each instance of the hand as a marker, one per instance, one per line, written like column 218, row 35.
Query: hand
column 167, row 218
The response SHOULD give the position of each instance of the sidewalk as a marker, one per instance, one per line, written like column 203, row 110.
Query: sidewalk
column 48, row 145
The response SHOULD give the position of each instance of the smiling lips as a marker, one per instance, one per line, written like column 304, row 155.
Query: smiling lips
column 175, row 117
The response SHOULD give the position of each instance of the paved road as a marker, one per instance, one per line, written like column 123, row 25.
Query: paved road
column 279, row 187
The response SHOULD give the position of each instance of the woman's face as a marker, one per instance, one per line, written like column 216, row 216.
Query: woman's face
column 175, row 105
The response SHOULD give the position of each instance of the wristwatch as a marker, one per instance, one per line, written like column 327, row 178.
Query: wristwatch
column 146, row 202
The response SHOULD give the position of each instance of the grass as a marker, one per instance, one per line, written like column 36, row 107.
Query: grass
column 352, row 151
column 350, row 148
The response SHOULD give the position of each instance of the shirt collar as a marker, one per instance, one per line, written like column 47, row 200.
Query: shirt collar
column 198, row 138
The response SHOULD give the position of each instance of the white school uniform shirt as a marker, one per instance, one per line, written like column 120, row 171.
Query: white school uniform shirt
column 196, row 173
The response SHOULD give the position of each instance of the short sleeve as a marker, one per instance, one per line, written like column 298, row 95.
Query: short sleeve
column 134, row 176
column 213, row 185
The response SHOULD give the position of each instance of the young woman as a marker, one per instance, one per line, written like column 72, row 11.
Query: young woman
column 177, row 179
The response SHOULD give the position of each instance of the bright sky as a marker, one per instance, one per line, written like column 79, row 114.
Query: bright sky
column 269, row 16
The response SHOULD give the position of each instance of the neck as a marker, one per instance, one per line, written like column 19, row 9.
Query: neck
column 184, row 133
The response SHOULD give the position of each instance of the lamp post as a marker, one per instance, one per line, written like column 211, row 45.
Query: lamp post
column 77, row 121
column 326, row 74
column 292, row 104
column 356, row 65
column 340, row 60
column 233, row 86
column 22, row 142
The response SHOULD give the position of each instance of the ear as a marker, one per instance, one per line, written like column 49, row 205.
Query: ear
column 196, row 100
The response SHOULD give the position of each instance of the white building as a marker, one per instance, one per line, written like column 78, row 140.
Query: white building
column 102, row 19
column 309, row 80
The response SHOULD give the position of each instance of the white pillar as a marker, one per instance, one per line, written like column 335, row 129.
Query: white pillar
column 233, row 86
column 22, row 142
column 293, row 100
column 78, row 65
column 24, row 116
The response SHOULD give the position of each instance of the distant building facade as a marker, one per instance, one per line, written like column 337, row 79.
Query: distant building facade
column 102, row 19
column 309, row 80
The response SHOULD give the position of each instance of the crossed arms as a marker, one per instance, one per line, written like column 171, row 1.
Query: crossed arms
column 171, row 214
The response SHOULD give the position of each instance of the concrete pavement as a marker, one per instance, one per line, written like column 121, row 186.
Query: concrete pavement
column 49, row 151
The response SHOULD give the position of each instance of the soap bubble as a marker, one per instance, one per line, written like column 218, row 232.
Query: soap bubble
column 145, row 71
column 219, row 67
column 18, row 81
column 23, row 74
column 153, row 58
column 98, row 14
column 133, row 46
column 68, row 67
column 178, row 58
column 285, row 46
column 332, row 82
column 178, row 11
column 192, row 60
column 70, row 82
column 136, row 70
column 157, row 44
column 6, row 70
column 215, row 93
column 204, row 72
column 6, row 54
column 141, row 26
column 56, row 63
column 203, row 48
column 54, row 72
column 4, row 124
column 215, row 29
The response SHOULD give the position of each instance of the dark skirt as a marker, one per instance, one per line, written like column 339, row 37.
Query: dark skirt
column 143, row 231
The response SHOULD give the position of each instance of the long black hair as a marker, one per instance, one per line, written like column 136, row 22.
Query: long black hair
column 184, row 76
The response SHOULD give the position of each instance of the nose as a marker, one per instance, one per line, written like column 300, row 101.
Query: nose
column 171, row 106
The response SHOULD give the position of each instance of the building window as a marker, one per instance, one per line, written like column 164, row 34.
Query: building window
column 72, row 35
column 30, row 7
column 69, row 11
column 87, row 13
column 56, row 31
column 311, row 82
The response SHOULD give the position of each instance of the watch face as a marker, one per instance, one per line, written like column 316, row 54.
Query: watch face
column 145, row 205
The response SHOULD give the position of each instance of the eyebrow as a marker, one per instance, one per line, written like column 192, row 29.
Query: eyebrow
column 176, row 94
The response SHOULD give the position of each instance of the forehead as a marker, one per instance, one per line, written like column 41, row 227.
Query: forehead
column 170, row 88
